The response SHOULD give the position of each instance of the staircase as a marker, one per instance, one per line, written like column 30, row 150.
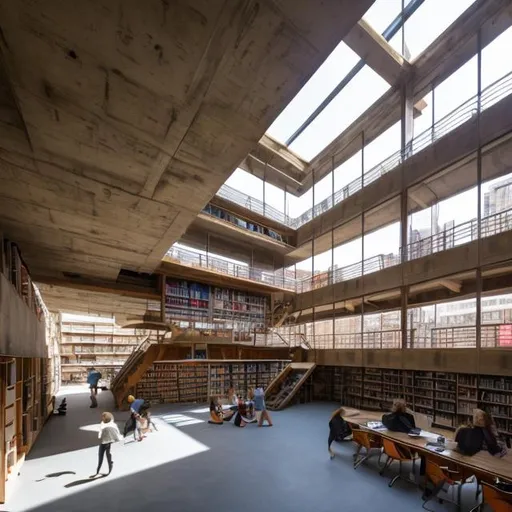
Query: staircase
column 135, row 366
column 286, row 385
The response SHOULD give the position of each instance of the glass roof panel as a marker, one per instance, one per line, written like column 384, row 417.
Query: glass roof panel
column 431, row 19
column 382, row 13
column 362, row 91
column 318, row 87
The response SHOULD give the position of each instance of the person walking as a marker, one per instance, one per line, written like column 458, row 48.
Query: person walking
column 93, row 378
column 108, row 434
column 261, row 408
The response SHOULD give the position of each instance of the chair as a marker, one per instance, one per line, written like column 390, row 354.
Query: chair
column 441, row 477
column 498, row 500
column 368, row 441
column 394, row 453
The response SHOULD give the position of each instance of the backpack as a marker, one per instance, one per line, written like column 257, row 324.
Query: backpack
column 397, row 422
column 340, row 428
column 469, row 440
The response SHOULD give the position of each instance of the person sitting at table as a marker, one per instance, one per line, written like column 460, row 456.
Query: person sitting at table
column 339, row 429
column 399, row 420
column 217, row 415
column 482, row 434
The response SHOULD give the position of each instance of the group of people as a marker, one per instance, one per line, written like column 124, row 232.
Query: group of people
column 480, row 434
column 252, row 410
column 139, row 422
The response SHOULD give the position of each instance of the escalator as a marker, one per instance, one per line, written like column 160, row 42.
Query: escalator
column 282, row 390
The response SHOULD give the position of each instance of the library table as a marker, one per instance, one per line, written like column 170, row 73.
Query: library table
column 482, row 464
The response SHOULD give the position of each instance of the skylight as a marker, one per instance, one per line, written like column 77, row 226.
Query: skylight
column 431, row 19
column 382, row 13
column 362, row 91
column 328, row 75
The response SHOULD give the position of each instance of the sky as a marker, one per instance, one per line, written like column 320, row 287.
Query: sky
column 366, row 88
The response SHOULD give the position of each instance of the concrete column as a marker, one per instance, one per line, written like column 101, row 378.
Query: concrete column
column 479, row 200
column 407, row 134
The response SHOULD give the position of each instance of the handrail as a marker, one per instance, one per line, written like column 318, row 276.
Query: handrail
column 491, row 95
column 137, row 350
column 464, row 336
column 195, row 259
column 446, row 239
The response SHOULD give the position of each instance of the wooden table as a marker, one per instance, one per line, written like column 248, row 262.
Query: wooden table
column 483, row 464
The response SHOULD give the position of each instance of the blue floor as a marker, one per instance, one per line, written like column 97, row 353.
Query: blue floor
column 189, row 465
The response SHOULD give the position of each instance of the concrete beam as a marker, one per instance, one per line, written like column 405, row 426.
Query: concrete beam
column 452, row 285
column 377, row 52
column 130, row 123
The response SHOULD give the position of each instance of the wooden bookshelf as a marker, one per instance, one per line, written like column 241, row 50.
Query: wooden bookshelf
column 449, row 398
column 15, row 270
column 243, row 222
column 196, row 381
column 212, row 309
column 86, row 344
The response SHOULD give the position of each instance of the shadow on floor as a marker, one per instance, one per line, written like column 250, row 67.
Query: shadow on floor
column 84, row 481
column 75, row 430
column 55, row 475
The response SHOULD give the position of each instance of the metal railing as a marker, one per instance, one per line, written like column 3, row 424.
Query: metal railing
column 459, row 234
column 194, row 259
column 464, row 336
column 254, row 205
column 447, row 239
column 491, row 95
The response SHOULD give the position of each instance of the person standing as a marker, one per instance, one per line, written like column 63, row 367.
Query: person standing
column 108, row 434
column 93, row 378
column 135, row 409
column 261, row 408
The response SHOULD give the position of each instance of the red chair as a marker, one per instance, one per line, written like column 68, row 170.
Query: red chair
column 394, row 453
column 369, row 442
column 442, row 478
column 496, row 499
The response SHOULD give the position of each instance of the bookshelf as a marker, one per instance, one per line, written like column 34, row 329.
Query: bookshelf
column 196, row 381
column 99, row 344
column 448, row 397
column 242, row 222
column 15, row 270
column 214, row 310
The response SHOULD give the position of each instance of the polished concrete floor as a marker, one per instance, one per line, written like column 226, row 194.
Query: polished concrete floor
column 189, row 465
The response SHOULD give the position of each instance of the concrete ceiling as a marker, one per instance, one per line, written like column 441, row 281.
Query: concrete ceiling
column 121, row 119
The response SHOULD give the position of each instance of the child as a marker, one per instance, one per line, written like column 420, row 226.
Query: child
column 260, row 407
column 108, row 434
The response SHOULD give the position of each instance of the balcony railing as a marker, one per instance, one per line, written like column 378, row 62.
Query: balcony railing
column 447, row 239
column 194, row 259
column 464, row 336
column 460, row 234
column 491, row 95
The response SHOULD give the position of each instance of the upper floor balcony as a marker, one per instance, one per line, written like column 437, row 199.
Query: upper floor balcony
column 464, row 113
column 446, row 239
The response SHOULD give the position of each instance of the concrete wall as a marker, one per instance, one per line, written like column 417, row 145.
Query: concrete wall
column 21, row 333
column 483, row 361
